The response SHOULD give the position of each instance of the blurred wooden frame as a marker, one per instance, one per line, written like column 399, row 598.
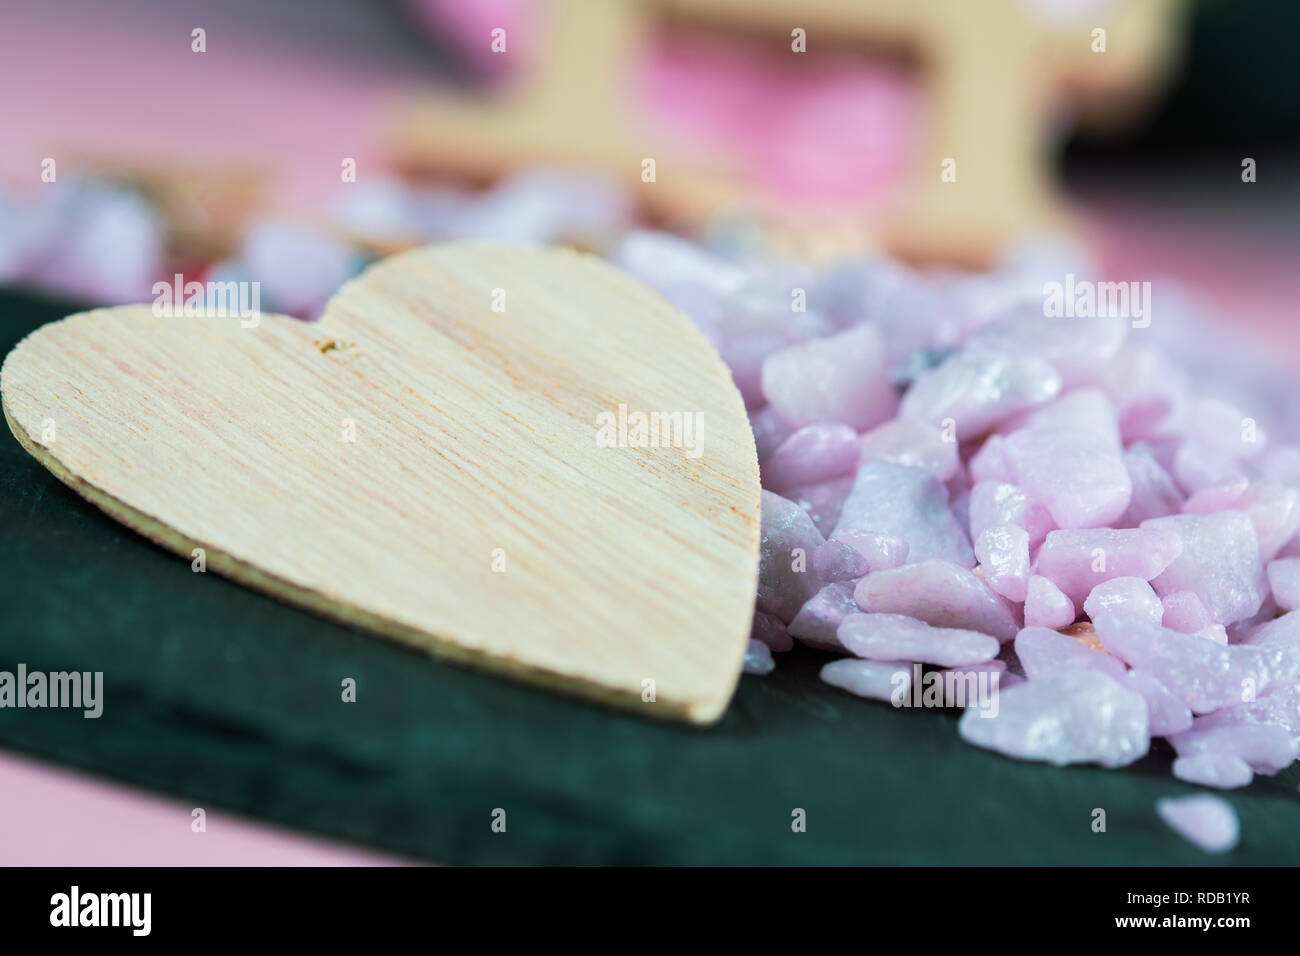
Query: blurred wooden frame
column 992, row 73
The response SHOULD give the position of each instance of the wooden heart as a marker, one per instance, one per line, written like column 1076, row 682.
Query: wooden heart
column 459, row 455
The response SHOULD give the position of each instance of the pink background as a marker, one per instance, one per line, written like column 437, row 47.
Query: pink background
column 124, row 79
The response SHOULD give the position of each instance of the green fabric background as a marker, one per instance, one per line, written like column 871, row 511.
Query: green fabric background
column 231, row 700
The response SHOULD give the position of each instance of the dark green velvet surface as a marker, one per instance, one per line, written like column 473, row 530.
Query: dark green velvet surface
column 231, row 700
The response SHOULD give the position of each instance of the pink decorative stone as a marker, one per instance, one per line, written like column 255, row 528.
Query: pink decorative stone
column 813, row 454
column 1279, row 706
column 1077, row 474
column 1267, row 748
column 909, row 504
column 1083, row 717
column 1201, row 673
column 1166, row 714
column 1184, row 612
column 758, row 659
column 1222, row 771
column 786, row 545
column 1219, row 562
column 1284, row 581
column 1274, row 511
column 823, row 501
column 1155, row 494
column 1046, row 605
column 1208, row 822
column 1077, row 348
column 893, row 637
column 1223, row 427
column 1283, row 631
column 660, row 258
column 769, row 432
column 852, row 554
column 877, row 680
column 976, row 390
column 1078, row 560
column 1217, row 497
column 1046, row 653
column 841, row 378
column 771, row 631
column 1003, row 554
column 1081, row 409
column 1125, row 595
column 1195, row 466
column 836, row 561
column 997, row 503
column 907, row 442
column 939, row 593
column 990, row 462
column 819, row 619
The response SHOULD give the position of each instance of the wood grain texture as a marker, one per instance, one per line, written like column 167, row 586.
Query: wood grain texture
column 475, row 430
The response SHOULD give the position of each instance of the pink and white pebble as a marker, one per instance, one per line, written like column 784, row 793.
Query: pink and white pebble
column 819, row 619
column 1217, row 497
column 1184, row 612
column 836, row 561
column 1081, row 717
column 787, row 542
column 906, row 503
column 841, row 378
column 1125, row 595
column 1219, row 562
column 941, row 594
column 770, row 430
column 758, row 659
column 1274, row 511
column 1203, row 674
column 813, row 454
column 1077, row 348
column 1046, row 605
column 882, row 551
column 997, row 503
column 877, row 680
column 823, row 501
column 1003, row 554
column 771, row 631
column 1196, row 466
column 1166, row 714
column 854, row 553
column 892, row 637
column 1284, row 581
column 990, row 462
column 1077, row 560
column 1155, row 494
column 1218, row 770
column 1078, row 475
column 1207, row 821
column 1267, row 748
column 907, row 442
column 1044, row 652
column 977, row 390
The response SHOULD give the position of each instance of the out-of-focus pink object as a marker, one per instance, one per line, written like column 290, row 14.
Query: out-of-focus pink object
column 833, row 128
column 60, row 818
column 469, row 26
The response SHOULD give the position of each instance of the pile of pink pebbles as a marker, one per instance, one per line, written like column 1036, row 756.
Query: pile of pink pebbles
column 1101, row 512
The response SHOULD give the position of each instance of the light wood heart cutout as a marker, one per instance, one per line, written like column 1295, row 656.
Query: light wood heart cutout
column 451, row 457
